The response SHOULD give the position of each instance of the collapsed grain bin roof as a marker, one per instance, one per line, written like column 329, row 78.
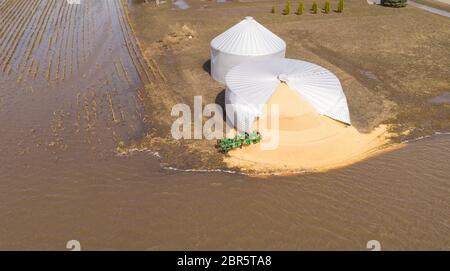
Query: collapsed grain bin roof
column 250, row 85
column 249, row 38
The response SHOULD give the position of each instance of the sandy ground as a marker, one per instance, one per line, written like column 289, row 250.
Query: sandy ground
column 389, row 75
column 304, row 139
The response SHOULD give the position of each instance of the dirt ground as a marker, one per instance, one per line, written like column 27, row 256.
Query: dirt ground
column 393, row 64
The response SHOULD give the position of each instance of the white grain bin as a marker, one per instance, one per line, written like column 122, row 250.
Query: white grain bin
column 244, row 41
column 251, row 84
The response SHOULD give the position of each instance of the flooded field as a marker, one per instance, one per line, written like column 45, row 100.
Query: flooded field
column 75, row 69
column 400, row 199
column 72, row 82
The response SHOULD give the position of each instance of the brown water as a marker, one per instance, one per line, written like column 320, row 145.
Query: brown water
column 60, row 178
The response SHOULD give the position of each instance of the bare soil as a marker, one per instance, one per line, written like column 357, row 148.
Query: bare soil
column 391, row 62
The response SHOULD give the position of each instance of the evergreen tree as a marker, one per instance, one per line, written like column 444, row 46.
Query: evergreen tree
column 314, row 7
column 340, row 8
column 287, row 8
column 273, row 10
column 301, row 8
column 394, row 3
column 327, row 7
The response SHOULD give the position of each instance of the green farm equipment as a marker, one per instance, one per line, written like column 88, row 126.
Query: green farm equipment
column 227, row 144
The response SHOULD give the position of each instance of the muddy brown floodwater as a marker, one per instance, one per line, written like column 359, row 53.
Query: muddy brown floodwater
column 71, row 77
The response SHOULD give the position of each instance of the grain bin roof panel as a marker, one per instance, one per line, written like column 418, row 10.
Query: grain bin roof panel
column 250, row 38
column 254, row 82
